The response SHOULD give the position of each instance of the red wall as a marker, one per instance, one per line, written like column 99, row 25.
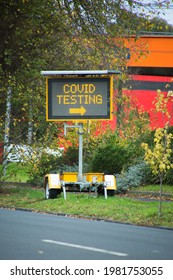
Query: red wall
column 143, row 91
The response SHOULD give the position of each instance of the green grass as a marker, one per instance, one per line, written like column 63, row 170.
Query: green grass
column 15, row 172
column 118, row 208
column 156, row 188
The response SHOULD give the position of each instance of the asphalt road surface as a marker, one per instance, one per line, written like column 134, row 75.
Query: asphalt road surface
column 26, row 235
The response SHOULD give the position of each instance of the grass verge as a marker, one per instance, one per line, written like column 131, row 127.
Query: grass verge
column 15, row 172
column 118, row 208
column 155, row 188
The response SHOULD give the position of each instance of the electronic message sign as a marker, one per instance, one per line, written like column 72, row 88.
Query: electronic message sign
column 79, row 98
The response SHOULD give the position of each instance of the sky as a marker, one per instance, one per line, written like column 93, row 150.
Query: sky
column 168, row 15
column 164, row 12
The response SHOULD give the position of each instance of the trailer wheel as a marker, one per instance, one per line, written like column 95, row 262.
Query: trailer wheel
column 100, row 190
column 53, row 193
column 111, row 192
column 50, row 193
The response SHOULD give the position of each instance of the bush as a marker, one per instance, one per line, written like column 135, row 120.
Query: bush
column 43, row 165
column 52, row 164
column 110, row 159
column 135, row 176
column 70, row 156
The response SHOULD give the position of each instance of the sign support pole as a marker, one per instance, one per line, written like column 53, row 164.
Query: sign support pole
column 80, row 161
column 80, row 171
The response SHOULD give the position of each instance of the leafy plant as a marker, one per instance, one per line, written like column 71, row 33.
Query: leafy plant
column 111, row 159
column 136, row 175
column 159, row 157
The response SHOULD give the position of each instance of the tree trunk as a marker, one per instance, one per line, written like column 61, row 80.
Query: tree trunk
column 30, row 124
column 160, row 198
column 119, row 104
column 7, row 129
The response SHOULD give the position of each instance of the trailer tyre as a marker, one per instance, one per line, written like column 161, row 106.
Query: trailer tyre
column 53, row 193
column 50, row 193
column 111, row 192
column 100, row 190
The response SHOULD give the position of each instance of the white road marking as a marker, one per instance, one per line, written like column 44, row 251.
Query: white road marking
column 40, row 252
column 86, row 248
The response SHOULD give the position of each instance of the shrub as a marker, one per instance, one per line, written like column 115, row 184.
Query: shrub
column 52, row 164
column 110, row 159
column 70, row 156
column 43, row 165
column 135, row 176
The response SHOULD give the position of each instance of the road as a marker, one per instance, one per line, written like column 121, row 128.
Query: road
column 26, row 235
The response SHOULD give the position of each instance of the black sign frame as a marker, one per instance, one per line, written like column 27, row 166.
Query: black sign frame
column 79, row 98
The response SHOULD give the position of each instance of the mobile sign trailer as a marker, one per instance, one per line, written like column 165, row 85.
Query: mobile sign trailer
column 78, row 96
column 91, row 182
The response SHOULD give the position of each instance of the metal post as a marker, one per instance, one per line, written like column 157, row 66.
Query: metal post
column 64, row 192
column 105, row 192
column 80, row 171
column 80, row 132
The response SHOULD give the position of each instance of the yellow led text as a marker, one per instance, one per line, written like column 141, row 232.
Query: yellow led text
column 81, row 94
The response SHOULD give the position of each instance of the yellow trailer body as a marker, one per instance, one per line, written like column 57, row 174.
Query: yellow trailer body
column 90, row 177
column 110, row 182
column 69, row 176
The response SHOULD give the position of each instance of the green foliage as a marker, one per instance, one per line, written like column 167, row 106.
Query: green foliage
column 113, row 152
column 159, row 157
column 157, row 25
column 110, row 159
column 42, row 166
column 70, row 156
column 34, row 33
column 47, row 163
column 135, row 176
column 47, row 34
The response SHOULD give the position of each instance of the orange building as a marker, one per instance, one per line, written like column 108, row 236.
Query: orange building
column 154, row 50
column 150, row 65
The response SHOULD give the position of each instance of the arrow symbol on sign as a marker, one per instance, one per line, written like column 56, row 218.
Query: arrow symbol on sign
column 81, row 111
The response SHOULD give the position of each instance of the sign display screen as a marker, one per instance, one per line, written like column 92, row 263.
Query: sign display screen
column 79, row 98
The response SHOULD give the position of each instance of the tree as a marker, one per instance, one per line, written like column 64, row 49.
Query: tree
column 129, row 117
column 159, row 25
column 159, row 157
column 49, row 34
